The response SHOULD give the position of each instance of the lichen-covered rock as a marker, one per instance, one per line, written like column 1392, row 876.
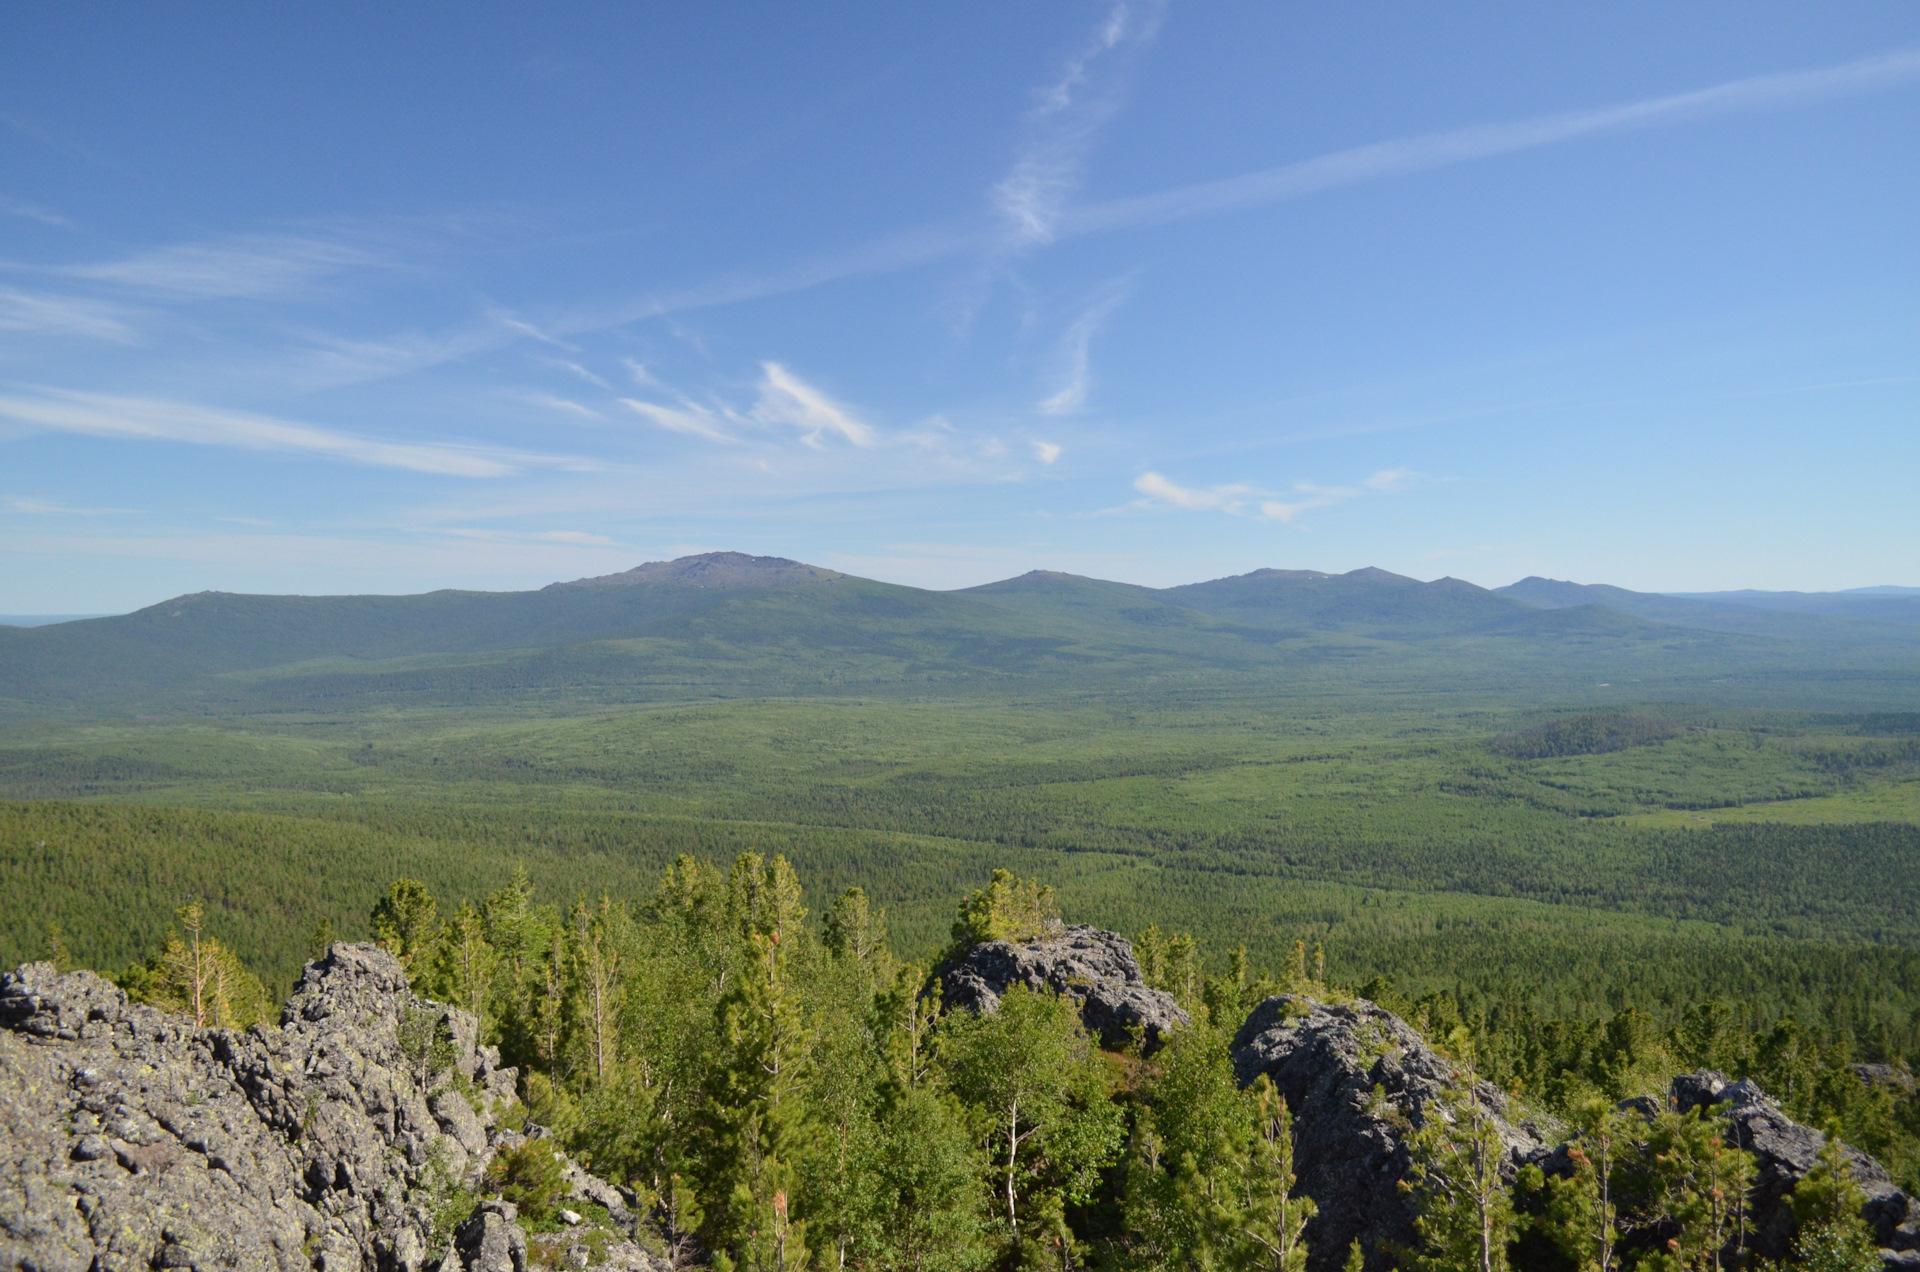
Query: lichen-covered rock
column 1096, row 969
column 131, row 1139
column 1784, row 1151
column 1357, row 1080
column 491, row 1239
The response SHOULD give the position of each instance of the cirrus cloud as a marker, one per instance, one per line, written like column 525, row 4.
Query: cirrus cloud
column 787, row 399
column 1239, row 500
column 103, row 415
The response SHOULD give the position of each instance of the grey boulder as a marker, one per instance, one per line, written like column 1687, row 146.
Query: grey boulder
column 1095, row 969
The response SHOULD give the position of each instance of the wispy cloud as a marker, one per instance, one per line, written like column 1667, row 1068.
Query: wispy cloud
column 248, row 267
column 47, row 314
column 34, row 506
column 99, row 415
column 1067, row 114
column 1046, row 452
column 897, row 251
column 1158, row 490
column 527, row 536
column 597, row 381
column 565, row 406
column 33, row 212
column 1032, row 203
column 332, row 361
column 520, row 326
column 1438, row 150
column 787, row 399
column 689, row 417
column 1305, row 497
column 1388, row 480
column 1237, row 500
column 1076, row 344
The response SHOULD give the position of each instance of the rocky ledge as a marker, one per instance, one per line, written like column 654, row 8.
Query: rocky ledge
column 1095, row 969
column 1358, row 1081
column 1784, row 1151
column 130, row 1139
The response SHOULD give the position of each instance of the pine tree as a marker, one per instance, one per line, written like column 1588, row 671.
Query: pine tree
column 200, row 977
column 1272, row 1222
column 1007, row 909
column 548, row 1013
column 187, row 967
column 1582, row 1213
column 464, row 964
column 857, row 933
column 321, row 941
column 848, row 1023
column 757, row 1116
column 1698, row 1183
column 1466, row 1214
column 912, row 1010
column 57, row 952
column 405, row 922
column 1188, row 1180
column 1832, row 1237
column 426, row 1044
column 1170, row 963
column 520, row 935
column 600, row 935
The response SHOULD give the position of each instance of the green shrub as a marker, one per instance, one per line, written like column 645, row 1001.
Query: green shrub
column 530, row 1177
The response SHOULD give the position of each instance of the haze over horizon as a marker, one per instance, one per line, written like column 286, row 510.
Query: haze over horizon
column 368, row 301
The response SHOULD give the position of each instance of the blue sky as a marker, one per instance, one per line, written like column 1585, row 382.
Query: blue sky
column 366, row 298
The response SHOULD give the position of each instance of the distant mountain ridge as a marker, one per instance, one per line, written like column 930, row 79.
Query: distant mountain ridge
column 733, row 624
column 1879, row 604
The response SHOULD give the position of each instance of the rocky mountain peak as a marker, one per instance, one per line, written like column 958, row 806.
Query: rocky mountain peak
column 724, row 571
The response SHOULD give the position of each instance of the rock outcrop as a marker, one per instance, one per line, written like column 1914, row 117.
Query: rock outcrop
column 131, row 1139
column 1095, row 969
column 1358, row 1080
column 1784, row 1151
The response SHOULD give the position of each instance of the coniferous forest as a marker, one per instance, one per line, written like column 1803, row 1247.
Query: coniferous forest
column 787, row 1092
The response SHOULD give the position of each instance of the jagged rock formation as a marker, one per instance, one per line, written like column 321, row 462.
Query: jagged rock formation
column 1784, row 1151
column 131, row 1139
column 1350, row 1145
column 1096, row 969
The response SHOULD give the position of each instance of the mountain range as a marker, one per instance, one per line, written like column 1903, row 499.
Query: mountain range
column 733, row 624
